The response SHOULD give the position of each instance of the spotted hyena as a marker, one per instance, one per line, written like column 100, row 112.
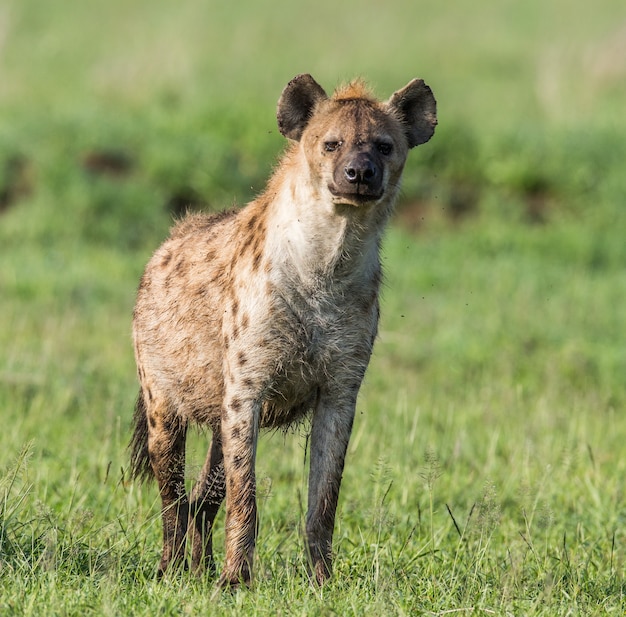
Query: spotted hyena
column 257, row 317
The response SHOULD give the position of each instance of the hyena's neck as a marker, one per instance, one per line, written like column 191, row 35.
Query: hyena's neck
column 315, row 239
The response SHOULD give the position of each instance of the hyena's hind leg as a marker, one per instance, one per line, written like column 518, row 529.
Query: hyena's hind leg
column 167, row 434
column 206, row 498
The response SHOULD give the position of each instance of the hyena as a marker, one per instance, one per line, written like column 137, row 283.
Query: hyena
column 255, row 318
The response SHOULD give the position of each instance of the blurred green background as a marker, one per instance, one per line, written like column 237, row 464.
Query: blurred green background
column 179, row 97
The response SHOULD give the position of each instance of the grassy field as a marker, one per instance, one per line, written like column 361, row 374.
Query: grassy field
column 486, row 471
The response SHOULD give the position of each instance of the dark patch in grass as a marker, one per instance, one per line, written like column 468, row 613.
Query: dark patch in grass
column 463, row 199
column 185, row 200
column 111, row 163
column 458, row 201
column 412, row 214
column 18, row 181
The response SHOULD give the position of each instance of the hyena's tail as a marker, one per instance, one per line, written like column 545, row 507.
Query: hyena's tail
column 139, row 458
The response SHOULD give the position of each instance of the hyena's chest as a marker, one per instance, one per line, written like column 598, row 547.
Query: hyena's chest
column 314, row 342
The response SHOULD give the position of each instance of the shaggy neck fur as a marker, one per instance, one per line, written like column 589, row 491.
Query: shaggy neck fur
column 313, row 238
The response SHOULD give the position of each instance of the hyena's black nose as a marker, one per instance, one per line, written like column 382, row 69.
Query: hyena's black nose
column 360, row 169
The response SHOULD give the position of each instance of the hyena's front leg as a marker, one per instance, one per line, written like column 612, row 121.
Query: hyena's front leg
column 166, row 447
column 330, row 433
column 239, row 437
column 206, row 498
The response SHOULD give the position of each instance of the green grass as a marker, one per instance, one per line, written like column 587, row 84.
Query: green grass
column 485, row 473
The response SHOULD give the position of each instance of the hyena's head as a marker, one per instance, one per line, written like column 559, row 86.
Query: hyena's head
column 356, row 146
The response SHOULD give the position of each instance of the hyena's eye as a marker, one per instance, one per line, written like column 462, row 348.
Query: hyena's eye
column 331, row 146
column 384, row 147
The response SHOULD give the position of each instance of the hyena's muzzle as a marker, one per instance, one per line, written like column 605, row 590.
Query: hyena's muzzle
column 359, row 174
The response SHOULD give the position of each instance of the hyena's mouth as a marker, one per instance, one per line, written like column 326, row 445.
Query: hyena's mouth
column 359, row 194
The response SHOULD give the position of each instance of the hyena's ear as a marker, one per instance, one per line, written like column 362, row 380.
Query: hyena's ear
column 297, row 104
column 416, row 107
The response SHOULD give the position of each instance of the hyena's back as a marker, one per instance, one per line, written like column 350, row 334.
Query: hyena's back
column 178, row 317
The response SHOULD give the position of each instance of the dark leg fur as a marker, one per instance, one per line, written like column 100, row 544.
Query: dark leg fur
column 206, row 498
column 167, row 456
column 139, row 457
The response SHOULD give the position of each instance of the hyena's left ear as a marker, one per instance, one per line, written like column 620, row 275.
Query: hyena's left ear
column 297, row 104
column 416, row 107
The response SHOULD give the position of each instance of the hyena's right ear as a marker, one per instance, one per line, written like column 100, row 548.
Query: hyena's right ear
column 297, row 104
